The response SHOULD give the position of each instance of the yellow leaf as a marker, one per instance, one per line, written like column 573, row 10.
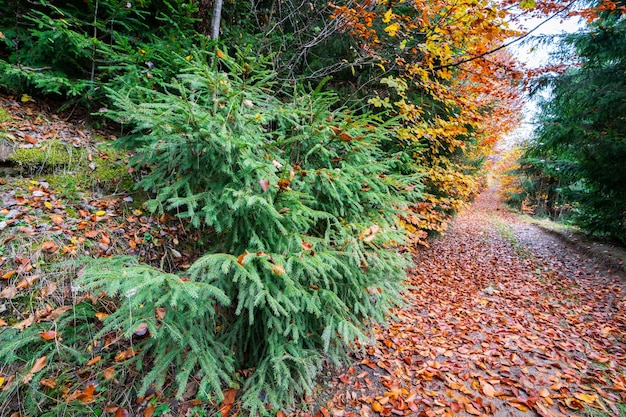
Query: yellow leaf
column 1, row 380
column 100, row 213
column 26, row 98
column 48, row 204
column 589, row 399
column 387, row 16
column 392, row 29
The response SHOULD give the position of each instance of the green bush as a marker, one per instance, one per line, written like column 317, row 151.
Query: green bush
column 74, row 48
column 302, row 211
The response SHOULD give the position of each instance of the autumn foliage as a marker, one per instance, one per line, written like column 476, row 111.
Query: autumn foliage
column 440, row 70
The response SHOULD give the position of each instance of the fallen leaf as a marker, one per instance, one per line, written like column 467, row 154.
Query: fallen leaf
column 48, row 382
column 574, row 404
column 87, row 394
column 8, row 292
column 94, row 360
column 49, row 247
column 108, row 373
column 149, row 410
column 57, row 219
column 488, row 389
column 101, row 316
column 122, row 412
column 27, row 282
column 48, row 335
column 38, row 366
column 9, row 274
column 588, row 398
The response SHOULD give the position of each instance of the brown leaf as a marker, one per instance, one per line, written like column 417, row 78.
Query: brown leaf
column 87, row 394
column 488, row 389
column 48, row 335
column 94, row 360
column 149, row 410
column 49, row 247
column 48, row 382
column 38, row 366
column 9, row 274
column 122, row 412
column 8, row 292
column 108, row 373
column 574, row 404
column 101, row 316
column 27, row 282
column 25, row 323
column 57, row 312
column 57, row 219
column 278, row 269
column 159, row 312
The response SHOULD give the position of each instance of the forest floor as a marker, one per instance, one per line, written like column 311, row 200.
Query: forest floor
column 503, row 318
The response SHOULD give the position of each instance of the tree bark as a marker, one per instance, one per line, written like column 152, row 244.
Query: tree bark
column 217, row 17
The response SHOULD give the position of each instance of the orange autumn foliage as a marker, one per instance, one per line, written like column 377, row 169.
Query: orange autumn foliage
column 442, row 71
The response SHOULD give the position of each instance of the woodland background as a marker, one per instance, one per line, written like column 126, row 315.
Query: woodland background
column 302, row 147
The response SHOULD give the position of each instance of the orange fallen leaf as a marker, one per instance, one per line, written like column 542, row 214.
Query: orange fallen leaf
column 48, row 335
column 149, row 410
column 108, row 373
column 376, row 406
column 49, row 247
column 57, row 219
column 94, row 360
column 48, row 382
column 488, row 389
column 588, row 398
column 87, row 394
column 574, row 404
column 101, row 316
column 38, row 366
column 27, row 282
column 9, row 274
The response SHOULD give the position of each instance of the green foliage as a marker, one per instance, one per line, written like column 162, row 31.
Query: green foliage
column 179, row 316
column 581, row 142
column 74, row 48
column 20, row 349
column 303, row 212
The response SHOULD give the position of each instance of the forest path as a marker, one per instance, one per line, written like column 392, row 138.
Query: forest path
column 503, row 319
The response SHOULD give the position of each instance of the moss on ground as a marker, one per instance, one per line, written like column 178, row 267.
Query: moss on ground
column 73, row 169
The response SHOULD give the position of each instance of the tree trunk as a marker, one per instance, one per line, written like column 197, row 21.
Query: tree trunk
column 204, row 15
column 217, row 17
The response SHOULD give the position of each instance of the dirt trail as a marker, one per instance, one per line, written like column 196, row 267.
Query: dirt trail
column 503, row 319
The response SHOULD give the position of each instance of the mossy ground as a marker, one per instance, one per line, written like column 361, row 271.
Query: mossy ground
column 66, row 199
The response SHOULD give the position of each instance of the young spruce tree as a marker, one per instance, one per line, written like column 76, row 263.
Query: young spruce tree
column 302, row 204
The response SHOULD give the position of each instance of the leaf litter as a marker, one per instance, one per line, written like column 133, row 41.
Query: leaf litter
column 501, row 319
column 487, row 329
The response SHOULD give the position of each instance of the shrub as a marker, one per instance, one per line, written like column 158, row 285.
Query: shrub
column 302, row 206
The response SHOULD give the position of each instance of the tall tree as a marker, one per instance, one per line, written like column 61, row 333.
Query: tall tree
column 581, row 140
